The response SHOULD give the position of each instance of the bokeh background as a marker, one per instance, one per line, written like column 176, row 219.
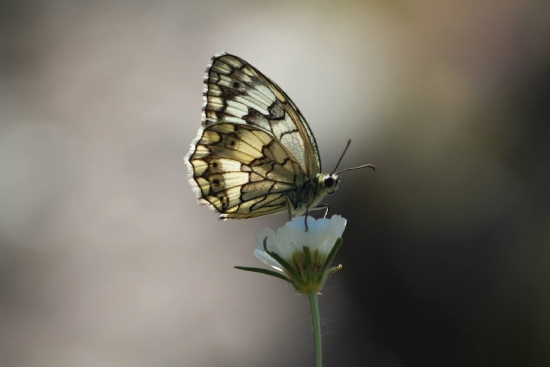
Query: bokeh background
column 106, row 259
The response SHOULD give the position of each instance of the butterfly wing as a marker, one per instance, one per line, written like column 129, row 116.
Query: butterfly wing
column 274, row 150
column 236, row 92
column 242, row 171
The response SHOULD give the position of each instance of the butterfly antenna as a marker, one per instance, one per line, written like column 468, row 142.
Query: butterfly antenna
column 342, row 156
column 352, row 168
column 358, row 167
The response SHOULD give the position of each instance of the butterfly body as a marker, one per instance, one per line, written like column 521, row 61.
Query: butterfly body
column 309, row 195
column 255, row 153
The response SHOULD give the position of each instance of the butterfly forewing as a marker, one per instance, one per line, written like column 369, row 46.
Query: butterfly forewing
column 236, row 92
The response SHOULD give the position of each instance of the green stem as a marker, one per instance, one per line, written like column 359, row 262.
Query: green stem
column 316, row 328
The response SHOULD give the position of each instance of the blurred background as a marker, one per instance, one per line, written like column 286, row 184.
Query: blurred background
column 106, row 259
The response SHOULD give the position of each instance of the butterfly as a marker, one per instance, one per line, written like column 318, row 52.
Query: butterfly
column 255, row 153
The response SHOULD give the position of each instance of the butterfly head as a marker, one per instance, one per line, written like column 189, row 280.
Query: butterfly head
column 330, row 182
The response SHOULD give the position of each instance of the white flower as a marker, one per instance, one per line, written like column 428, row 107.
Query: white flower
column 302, row 255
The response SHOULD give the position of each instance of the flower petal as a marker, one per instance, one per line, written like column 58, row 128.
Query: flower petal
column 321, row 235
column 266, row 259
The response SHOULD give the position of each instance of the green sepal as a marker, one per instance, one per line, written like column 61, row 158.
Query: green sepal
column 310, row 273
column 333, row 270
column 332, row 253
column 264, row 271
column 286, row 266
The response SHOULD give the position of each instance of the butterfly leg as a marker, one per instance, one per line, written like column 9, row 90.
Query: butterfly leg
column 288, row 207
column 323, row 206
column 307, row 207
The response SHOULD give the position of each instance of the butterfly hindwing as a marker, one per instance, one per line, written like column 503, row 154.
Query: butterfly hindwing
column 241, row 171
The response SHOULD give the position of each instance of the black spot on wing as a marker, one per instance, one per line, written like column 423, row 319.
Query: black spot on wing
column 255, row 117
column 276, row 110
column 232, row 91
column 224, row 200
column 217, row 183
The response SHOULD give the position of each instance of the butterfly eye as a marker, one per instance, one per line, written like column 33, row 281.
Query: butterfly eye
column 329, row 182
